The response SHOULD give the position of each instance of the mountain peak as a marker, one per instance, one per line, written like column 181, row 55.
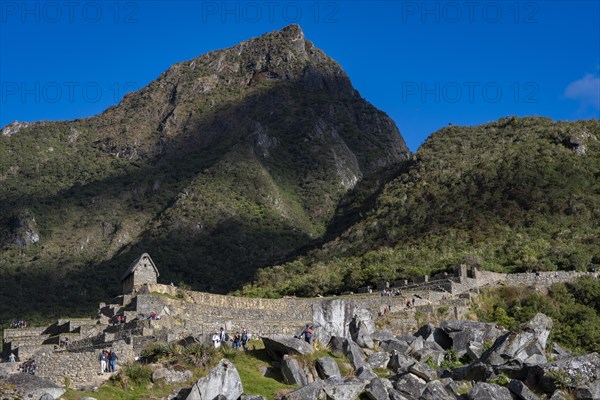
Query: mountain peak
column 293, row 31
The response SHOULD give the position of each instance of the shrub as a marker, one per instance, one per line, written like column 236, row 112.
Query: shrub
column 154, row 352
column 138, row 373
column 199, row 354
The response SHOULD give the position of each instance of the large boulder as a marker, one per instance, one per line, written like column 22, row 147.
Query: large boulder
column 280, row 345
column 476, row 371
column 332, row 318
column 34, row 387
column 222, row 382
column 483, row 390
column 312, row 391
column 400, row 362
column 423, row 371
column 520, row 390
column 389, row 345
column 410, row 385
column 170, row 376
column 434, row 334
column 525, row 346
column 347, row 347
column 435, row 390
column 378, row 389
column 354, row 353
column 362, row 327
column 337, row 388
column 292, row 372
column 379, row 359
column 469, row 337
column 365, row 373
column 327, row 367
column 382, row 334
column 579, row 374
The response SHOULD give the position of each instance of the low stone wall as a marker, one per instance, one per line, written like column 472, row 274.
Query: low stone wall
column 545, row 278
column 13, row 334
column 205, row 313
column 82, row 367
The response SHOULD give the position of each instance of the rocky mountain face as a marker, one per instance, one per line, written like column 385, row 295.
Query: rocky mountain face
column 225, row 163
column 515, row 195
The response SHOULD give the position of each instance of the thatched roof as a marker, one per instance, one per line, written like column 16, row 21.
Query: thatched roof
column 133, row 266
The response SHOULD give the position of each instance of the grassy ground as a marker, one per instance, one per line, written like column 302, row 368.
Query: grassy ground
column 258, row 377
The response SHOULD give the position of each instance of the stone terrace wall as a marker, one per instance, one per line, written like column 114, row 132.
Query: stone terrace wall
column 82, row 367
column 544, row 278
column 204, row 313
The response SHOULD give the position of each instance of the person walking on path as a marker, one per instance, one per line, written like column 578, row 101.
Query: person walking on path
column 113, row 360
column 245, row 339
column 223, row 336
column 236, row 341
column 102, row 359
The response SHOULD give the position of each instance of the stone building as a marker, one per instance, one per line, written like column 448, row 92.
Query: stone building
column 142, row 271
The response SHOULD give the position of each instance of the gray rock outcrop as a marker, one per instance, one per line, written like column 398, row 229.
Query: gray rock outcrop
column 483, row 390
column 467, row 337
column 292, row 372
column 222, row 382
column 278, row 346
column 327, row 367
column 332, row 318
column 524, row 346
column 170, row 376
column 337, row 388
column 34, row 387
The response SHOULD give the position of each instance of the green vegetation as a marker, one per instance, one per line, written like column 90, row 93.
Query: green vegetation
column 134, row 380
column 573, row 308
column 515, row 195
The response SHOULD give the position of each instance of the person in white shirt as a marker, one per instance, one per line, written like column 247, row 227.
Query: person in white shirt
column 216, row 340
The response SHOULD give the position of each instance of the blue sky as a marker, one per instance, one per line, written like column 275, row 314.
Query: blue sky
column 426, row 64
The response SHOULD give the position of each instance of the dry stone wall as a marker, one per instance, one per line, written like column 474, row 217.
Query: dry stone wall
column 81, row 367
column 545, row 278
column 204, row 313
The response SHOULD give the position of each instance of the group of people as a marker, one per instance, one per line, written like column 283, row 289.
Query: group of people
column 18, row 324
column 239, row 340
column 391, row 292
column 108, row 361
column 28, row 367
column 118, row 320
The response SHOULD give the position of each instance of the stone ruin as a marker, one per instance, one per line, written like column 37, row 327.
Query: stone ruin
column 68, row 348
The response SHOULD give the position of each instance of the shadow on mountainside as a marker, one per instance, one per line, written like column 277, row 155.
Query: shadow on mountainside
column 64, row 275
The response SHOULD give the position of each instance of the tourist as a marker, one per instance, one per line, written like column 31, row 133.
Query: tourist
column 223, row 336
column 12, row 358
column 245, row 339
column 113, row 360
column 307, row 332
column 216, row 341
column 236, row 340
column 102, row 359
column 31, row 368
